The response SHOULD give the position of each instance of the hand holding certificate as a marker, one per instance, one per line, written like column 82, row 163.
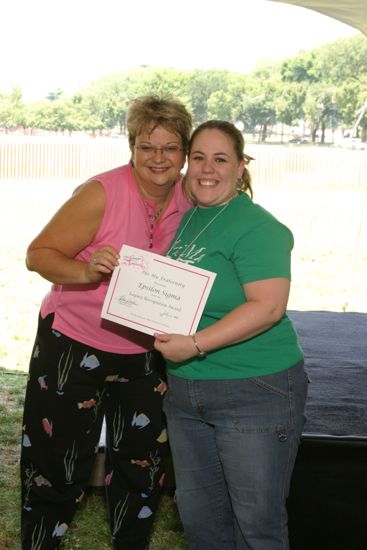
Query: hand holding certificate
column 155, row 294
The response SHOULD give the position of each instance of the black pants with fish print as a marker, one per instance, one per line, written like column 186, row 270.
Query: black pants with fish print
column 71, row 387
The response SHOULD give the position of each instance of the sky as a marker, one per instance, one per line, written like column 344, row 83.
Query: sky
column 50, row 44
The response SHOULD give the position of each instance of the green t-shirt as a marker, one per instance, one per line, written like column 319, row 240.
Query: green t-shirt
column 241, row 242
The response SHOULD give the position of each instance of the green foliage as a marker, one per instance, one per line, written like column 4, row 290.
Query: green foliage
column 300, row 68
column 290, row 102
column 325, row 87
column 201, row 86
column 220, row 105
column 12, row 109
column 259, row 103
column 343, row 60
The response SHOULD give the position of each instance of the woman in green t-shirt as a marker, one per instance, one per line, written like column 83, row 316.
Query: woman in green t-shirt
column 237, row 388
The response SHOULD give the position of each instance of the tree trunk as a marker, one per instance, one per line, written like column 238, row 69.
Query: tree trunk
column 264, row 131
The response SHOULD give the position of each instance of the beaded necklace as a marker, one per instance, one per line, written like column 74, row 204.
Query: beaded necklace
column 152, row 218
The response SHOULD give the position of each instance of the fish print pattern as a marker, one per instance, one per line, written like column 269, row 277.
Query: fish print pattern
column 90, row 362
column 57, row 377
column 140, row 420
column 47, row 426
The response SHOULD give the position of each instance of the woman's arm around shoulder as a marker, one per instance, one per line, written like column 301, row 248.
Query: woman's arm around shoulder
column 71, row 229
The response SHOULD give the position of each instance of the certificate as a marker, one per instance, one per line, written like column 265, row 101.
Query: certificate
column 153, row 293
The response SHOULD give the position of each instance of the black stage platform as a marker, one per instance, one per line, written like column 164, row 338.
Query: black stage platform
column 327, row 505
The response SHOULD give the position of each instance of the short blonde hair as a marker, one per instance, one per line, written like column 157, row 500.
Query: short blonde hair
column 148, row 112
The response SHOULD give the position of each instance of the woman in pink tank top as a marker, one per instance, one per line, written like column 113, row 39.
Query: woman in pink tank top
column 83, row 369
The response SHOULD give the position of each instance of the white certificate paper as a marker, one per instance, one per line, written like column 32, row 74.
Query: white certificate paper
column 153, row 293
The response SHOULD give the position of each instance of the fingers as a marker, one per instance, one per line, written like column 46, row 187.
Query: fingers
column 175, row 347
column 160, row 341
column 157, row 345
column 104, row 260
column 161, row 337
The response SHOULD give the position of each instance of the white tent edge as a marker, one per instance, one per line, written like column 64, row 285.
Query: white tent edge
column 350, row 12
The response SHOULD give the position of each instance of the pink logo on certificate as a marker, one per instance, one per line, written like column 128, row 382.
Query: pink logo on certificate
column 134, row 261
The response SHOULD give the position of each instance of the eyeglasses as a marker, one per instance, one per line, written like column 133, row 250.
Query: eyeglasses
column 168, row 150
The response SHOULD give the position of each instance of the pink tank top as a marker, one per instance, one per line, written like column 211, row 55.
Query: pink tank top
column 77, row 308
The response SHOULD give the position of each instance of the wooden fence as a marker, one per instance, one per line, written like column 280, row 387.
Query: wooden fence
column 68, row 159
column 60, row 159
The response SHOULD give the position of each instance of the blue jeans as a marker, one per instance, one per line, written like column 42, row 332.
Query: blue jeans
column 234, row 444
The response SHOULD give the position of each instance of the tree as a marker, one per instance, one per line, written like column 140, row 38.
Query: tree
column 344, row 60
column 258, row 104
column 12, row 109
column 34, row 115
column 320, row 109
column 115, row 106
column 301, row 68
column 290, row 102
column 351, row 97
column 200, row 86
column 326, row 87
column 220, row 106
column 361, row 113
